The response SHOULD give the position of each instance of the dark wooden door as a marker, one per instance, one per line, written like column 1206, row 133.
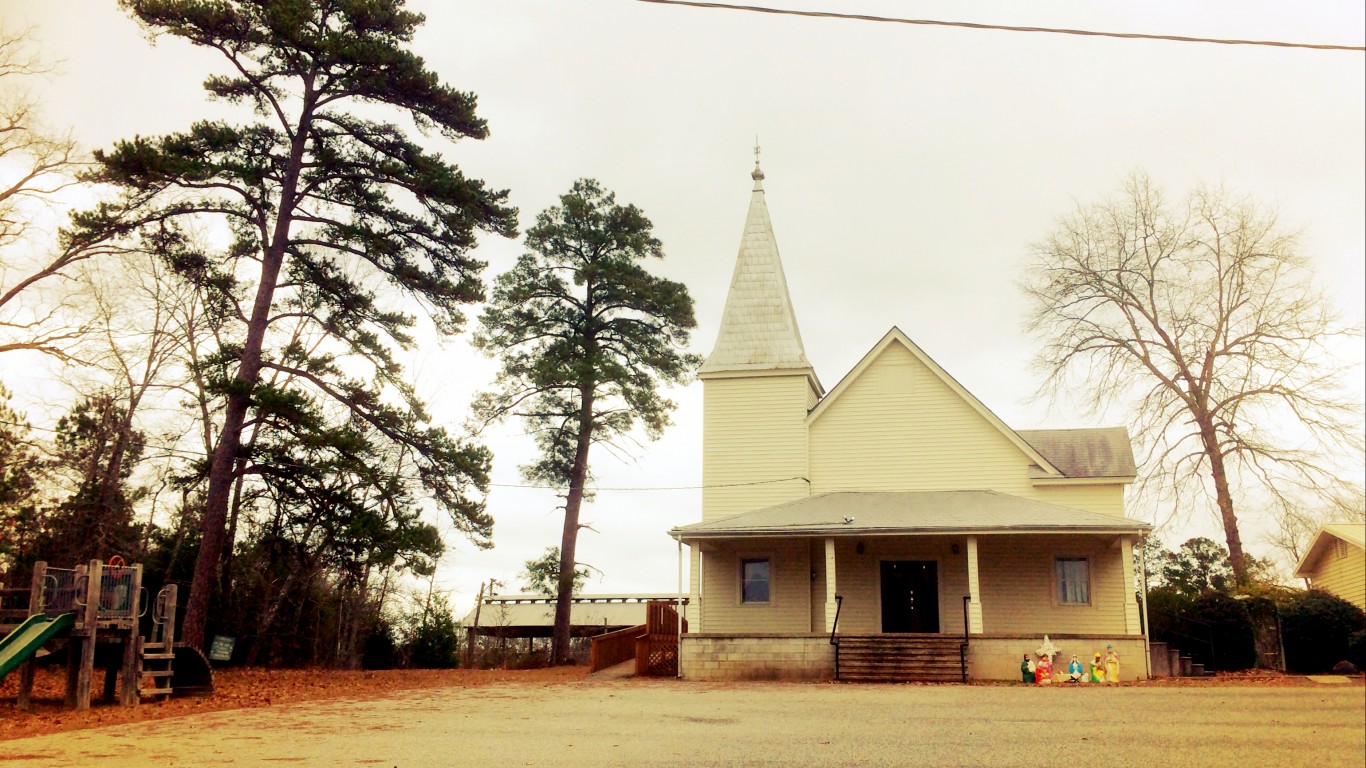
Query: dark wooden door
column 910, row 596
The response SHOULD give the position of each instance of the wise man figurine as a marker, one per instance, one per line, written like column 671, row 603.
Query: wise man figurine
column 1111, row 664
column 1097, row 669
column 1027, row 669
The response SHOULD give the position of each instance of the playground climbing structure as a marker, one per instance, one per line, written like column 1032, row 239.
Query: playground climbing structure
column 96, row 609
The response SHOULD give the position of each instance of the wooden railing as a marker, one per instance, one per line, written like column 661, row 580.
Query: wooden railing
column 657, row 650
column 613, row 648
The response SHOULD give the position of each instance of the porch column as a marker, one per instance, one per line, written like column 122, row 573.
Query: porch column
column 830, row 604
column 974, row 590
column 1126, row 559
column 694, row 610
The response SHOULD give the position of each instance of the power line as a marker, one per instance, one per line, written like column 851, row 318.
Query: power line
column 199, row 455
column 658, row 488
column 1003, row 27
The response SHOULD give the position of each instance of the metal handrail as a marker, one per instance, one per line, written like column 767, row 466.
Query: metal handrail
column 963, row 649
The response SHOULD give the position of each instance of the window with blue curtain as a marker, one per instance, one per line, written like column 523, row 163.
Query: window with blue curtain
column 1074, row 580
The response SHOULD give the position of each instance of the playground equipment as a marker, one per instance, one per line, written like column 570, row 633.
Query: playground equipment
column 97, row 609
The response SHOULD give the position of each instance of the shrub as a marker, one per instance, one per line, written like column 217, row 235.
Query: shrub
column 1229, row 628
column 1213, row 629
column 381, row 652
column 1319, row 631
column 435, row 637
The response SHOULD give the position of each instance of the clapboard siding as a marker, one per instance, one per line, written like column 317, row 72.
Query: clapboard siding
column 899, row 427
column 1344, row 575
column 754, row 432
column 1105, row 499
column 789, row 605
column 1018, row 591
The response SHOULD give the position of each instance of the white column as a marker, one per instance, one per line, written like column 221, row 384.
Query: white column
column 695, row 586
column 830, row 604
column 974, row 590
column 1131, row 607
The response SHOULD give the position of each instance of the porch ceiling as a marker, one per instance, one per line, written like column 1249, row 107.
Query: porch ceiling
column 853, row 513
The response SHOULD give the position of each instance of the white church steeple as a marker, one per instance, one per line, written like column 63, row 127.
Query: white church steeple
column 758, row 326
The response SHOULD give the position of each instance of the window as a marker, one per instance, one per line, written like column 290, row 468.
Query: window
column 754, row 581
column 1074, row 581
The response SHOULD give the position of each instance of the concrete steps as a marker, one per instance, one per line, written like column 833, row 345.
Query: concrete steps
column 899, row 658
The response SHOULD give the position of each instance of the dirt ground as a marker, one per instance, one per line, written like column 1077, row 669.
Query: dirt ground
column 246, row 689
column 562, row 717
column 254, row 688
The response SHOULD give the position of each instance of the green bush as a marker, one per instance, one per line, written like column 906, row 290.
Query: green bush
column 1232, row 641
column 435, row 637
column 1166, row 606
column 1213, row 629
column 381, row 652
column 1319, row 631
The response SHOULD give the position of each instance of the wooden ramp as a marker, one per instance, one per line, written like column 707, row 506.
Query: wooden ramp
column 653, row 645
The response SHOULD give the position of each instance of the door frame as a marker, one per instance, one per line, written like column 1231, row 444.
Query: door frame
column 938, row 591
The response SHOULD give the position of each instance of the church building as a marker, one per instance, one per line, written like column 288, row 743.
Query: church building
column 892, row 527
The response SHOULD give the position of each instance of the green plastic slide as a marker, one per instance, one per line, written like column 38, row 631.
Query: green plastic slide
column 28, row 637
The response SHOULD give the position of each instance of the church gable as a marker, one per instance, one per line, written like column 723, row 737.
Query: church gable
column 899, row 422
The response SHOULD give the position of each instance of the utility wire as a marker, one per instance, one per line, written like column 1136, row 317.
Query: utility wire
column 198, row 455
column 1002, row 27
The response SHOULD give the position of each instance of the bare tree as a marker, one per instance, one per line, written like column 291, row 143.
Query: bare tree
column 35, row 165
column 1203, row 318
column 1298, row 520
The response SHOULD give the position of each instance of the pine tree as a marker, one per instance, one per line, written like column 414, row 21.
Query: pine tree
column 322, row 205
column 585, row 336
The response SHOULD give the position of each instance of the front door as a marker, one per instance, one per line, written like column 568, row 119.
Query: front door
column 910, row 596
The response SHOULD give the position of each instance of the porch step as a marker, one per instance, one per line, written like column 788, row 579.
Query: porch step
column 899, row 658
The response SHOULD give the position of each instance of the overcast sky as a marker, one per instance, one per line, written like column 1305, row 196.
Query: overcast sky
column 908, row 169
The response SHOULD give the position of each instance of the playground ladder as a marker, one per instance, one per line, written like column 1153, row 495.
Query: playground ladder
column 157, row 652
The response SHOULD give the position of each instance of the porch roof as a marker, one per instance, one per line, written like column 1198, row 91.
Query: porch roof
column 865, row 513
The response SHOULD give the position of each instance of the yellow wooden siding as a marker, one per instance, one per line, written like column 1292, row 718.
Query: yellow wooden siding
column 1344, row 576
column 754, row 432
column 1019, row 593
column 1106, row 499
column 789, row 605
column 899, row 427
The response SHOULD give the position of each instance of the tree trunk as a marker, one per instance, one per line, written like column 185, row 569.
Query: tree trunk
column 578, row 475
column 222, row 470
column 1224, row 499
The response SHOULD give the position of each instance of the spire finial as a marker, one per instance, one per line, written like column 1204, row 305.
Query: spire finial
column 758, row 174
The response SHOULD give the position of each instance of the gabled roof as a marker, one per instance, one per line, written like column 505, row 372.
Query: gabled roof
column 1080, row 453
column 758, row 326
column 1352, row 533
column 896, row 336
column 853, row 513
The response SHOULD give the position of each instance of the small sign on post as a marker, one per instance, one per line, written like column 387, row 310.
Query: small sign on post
column 221, row 648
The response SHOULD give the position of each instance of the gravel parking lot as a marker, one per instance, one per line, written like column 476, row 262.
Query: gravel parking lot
column 665, row 722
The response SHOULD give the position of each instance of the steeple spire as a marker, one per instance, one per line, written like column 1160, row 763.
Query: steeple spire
column 758, row 326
